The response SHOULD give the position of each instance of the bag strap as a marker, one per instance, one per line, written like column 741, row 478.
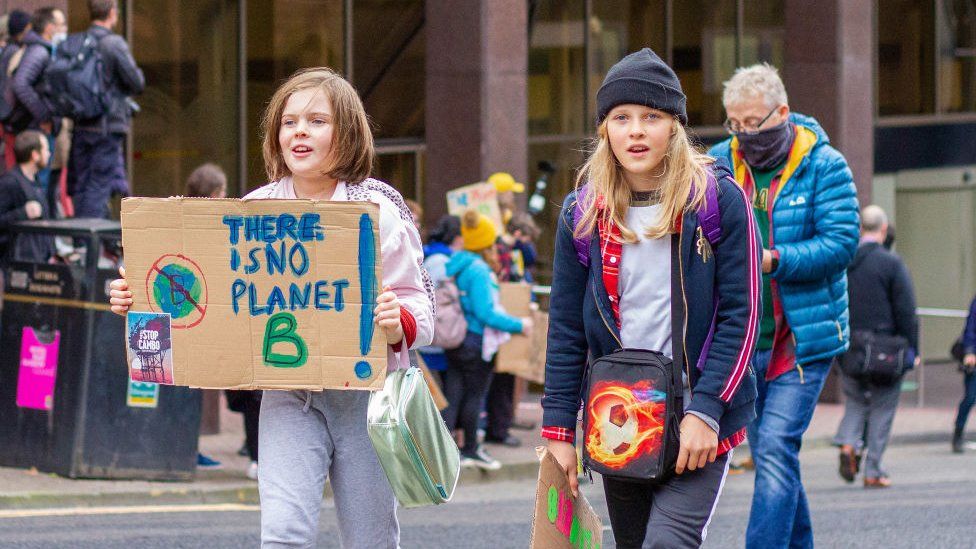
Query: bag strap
column 581, row 243
column 709, row 217
column 677, row 319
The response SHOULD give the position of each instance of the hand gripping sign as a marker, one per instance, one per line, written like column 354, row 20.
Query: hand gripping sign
column 259, row 294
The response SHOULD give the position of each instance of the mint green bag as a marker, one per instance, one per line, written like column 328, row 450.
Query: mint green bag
column 414, row 447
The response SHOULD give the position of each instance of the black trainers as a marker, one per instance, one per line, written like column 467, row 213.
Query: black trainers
column 480, row 459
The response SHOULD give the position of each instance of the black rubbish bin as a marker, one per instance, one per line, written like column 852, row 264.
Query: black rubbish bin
column 66, row 402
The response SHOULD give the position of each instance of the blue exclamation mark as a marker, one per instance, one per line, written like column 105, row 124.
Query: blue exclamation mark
column 367, row 288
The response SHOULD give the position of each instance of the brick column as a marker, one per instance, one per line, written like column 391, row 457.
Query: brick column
column 829, row 75
column 477, row 56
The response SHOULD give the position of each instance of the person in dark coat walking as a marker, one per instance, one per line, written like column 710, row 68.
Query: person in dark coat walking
column 882, row 301
column 968, row 368
column 31, row 111
column 21, row 198
column 96, row 168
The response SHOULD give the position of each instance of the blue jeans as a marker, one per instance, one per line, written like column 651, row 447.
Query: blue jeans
column 780, row 516
column 96, row 169
column 968, row 399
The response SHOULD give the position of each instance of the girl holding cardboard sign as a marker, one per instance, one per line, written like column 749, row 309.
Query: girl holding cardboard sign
column 655, row 299
column 318, row 146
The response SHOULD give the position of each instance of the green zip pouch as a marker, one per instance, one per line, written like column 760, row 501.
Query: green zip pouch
column 418, row 454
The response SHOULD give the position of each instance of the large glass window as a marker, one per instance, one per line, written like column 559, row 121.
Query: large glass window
column 906, row 57
column 189, row 54
column 704, row 37
column 282, row 37
column 957, row 67
column 388, row 64
column 763, row 32
column 556, row 68
column 619, row 27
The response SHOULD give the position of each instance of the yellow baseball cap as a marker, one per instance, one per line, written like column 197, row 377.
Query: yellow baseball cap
column 504, row 182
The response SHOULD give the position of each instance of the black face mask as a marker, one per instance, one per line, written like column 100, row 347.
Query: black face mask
column 768, row 148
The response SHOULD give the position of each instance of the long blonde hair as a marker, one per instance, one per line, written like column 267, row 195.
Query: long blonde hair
column 686, row 171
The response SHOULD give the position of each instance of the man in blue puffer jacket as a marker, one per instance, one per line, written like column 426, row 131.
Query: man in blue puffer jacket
column 806, row 207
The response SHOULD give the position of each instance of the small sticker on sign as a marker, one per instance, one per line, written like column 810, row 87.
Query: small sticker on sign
column 142, row 395
column 150, row 347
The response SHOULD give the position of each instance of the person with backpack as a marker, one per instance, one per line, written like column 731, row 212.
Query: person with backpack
column 655, row 278
column 884, row 346
column 470, row 366
column 442, row 242
column 96, row 167
column 318, row 146
column 30, row 109
column 18, row 24
column 805, row 201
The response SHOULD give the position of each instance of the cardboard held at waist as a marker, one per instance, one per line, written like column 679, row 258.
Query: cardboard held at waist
column 262, row 294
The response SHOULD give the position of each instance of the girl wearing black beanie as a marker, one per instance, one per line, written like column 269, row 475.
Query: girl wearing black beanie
column 656, row 250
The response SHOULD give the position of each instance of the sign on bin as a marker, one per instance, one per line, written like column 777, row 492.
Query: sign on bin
column 38, row 369
column 256, row 294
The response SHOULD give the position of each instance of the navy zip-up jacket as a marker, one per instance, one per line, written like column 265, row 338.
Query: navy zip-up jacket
column 582, row 327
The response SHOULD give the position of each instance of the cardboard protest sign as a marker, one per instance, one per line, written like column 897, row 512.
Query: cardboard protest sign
column 259, row 294
column 562, row 521
column 523, row 356
column 479, row 196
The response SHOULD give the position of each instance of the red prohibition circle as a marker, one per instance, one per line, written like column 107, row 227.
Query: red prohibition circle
column 206, row 296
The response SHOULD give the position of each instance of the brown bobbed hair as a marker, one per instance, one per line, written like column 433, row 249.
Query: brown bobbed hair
column 352, row 140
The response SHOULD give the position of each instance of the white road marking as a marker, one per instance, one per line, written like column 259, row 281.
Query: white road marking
column 126, row 510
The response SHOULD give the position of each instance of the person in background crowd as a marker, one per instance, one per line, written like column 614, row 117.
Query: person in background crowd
column 18, row 24
column 470, row 366
column 30, row 110
column 806, row 206
column 210, row 181
column 96, row 167
column 968, row 368
column 511, row 267
column 518, row 249
column 524, row 232
column 22, row 198
column 442, row 242
column 883, row 302
column 417, row 213
column 206, row 181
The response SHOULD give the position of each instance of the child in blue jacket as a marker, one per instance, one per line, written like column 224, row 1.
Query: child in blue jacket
column 470, row 366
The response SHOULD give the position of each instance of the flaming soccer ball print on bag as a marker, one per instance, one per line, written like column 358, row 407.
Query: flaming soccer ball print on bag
column 630, row 428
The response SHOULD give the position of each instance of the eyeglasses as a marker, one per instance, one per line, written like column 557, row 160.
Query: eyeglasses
column 734, row 128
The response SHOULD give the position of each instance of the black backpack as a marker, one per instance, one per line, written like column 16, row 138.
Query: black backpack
column 73, row 83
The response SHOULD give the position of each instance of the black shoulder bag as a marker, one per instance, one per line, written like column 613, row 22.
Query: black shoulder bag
column 633, row 408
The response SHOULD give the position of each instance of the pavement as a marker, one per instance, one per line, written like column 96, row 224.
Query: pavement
column 929, row 505
column 26, row 489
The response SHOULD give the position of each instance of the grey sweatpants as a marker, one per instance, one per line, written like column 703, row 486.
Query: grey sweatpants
column 673, row 515
column 305, row 437
column 868, row 415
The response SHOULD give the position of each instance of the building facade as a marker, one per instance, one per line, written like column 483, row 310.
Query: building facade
column 458, row 89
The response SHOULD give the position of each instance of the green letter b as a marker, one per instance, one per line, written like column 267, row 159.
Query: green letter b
column 281, row 329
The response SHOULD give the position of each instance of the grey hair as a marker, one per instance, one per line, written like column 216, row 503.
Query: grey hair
column 873, row 219
column 761, row 80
